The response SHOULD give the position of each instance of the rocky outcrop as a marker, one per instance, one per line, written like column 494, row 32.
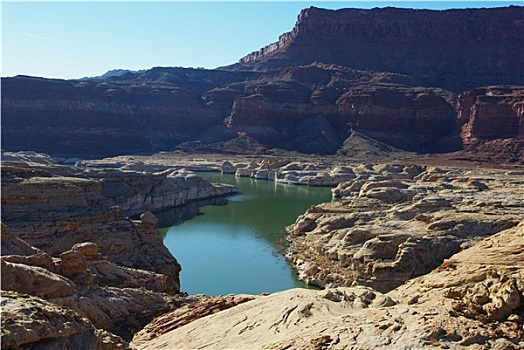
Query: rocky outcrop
column 202, row 306
column 296, row 173
column 396, row 222
column 70, row 243
column 53, row 213
column 136, row 191
column 430, row 311
column 254, row 325
column 33, row 323
column 455, row 49
column 79, row 205
column 111, row 296
column 492, row 120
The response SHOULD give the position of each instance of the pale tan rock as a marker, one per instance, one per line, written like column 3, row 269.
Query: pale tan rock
column 112, row 297
column 427, row 312
column 122, row 311
column 35, row 281
column 267, row 320
column 73, row 264
column 387, row 230
column 202, row 307
column 30, row 322
column 148, row 218
column 228, row 168
column 88, row 249
column 243, row 172
column 40, row 209
column 16, row 250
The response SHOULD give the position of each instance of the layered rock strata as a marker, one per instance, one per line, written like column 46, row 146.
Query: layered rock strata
column 493, row 119
column 136, row 192
column 201, row 307
column 318, row 108
column 458, row 49
column 475, row 299
column 53, row 213
column 396, row 222
column 33, row 323
column 78, row 300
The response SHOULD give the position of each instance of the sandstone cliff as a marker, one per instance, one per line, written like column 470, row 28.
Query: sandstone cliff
column 391, row 75
column 455, row 49
column 493, row 121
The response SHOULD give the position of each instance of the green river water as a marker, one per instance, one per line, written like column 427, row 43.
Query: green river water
column 230, row 245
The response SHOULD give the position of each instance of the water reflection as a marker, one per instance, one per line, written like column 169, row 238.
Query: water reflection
column 177, row 215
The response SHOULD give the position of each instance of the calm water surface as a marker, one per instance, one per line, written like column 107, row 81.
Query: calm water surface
column 230, row 246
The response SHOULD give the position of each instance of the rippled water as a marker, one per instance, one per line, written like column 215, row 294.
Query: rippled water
column 230, row 246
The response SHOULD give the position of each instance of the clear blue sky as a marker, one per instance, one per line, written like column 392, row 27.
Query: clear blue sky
column 77, row 39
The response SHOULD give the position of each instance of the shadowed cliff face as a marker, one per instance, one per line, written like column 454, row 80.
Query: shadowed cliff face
column 91, row 118
column 391, row 75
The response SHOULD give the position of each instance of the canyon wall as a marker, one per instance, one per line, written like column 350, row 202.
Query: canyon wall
column 391, row 75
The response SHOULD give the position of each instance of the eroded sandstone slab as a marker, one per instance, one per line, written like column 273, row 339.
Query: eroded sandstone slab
column 69, row 243
column 396, row 222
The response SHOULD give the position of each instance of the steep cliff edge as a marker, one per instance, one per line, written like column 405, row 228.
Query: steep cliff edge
column 454, row 49
column 492, row 120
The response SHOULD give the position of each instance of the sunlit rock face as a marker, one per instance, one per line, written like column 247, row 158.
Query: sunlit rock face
column 447, row 308
column 395, row 222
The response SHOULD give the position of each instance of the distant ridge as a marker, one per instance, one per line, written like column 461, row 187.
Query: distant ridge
column 114, row 73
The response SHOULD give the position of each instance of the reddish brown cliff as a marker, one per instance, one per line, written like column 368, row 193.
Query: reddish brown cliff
column 392, row 76
column 492, row 120
column 455, row 49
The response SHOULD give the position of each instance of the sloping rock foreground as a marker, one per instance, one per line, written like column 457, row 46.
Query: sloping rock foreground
column 475, row 299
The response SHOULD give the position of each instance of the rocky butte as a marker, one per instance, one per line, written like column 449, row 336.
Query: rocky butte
column 414, row 117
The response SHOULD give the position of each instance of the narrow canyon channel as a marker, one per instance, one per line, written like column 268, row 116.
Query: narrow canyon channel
column 230, row 245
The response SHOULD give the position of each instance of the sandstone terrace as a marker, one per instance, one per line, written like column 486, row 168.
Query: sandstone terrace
column 461, row 207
